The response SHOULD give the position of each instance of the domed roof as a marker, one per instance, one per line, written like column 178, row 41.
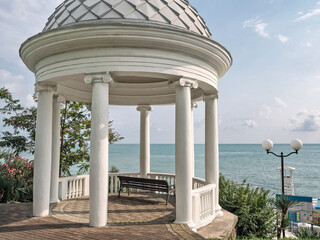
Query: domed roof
column 178, row 13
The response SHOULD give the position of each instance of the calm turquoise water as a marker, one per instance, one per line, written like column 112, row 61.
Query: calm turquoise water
column 237, row 161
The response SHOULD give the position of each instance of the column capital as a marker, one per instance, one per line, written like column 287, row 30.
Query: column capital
column 100, row 78
column 60, row 99
column 45, row 87
column 210, row 97
column 184, row 82
column 144, row 108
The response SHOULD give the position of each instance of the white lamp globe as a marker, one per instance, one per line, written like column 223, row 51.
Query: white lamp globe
column 296, row 144
column 267, row 144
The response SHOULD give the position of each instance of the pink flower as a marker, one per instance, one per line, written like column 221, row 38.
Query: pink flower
column 26, row 184
column 20, row 175
column 19, row 171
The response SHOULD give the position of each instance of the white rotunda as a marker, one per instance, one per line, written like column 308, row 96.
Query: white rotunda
column 127, row 52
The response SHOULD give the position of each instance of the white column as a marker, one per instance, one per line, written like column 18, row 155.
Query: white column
column 184, row 151
column 144, row 140
column 55, row 165
column 99, row 148
column 212, row 146
column 43, row 147
column 193, row 106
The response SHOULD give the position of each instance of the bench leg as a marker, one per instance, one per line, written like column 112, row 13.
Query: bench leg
column 120, row 191
column 168, row 195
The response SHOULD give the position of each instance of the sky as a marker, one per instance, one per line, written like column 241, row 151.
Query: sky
column 271, row 91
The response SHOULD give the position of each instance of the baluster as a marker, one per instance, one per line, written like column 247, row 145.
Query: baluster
column 202, row 207
column 81, row 187
column 116, row 184
column 111, row 184
column 77, row 187
column 208, row 205
column 73, row 188
column 69, row 190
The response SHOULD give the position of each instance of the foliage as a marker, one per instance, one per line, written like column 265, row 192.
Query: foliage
column 75, row 136
column 21, row 120
column 75, row 131
column 253, row 206
column 114, row 169
column 283, row 204
column 307, row 233
column 16, row 176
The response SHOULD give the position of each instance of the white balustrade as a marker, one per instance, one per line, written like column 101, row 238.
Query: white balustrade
column 203, row 205
column 170, row 178
column 73, row 187
column 198, row 183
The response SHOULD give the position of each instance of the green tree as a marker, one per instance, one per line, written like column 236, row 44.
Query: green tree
column 75, row 136
column 21, row 120
column 283, row 204
column 75, row 131
column 253, row 206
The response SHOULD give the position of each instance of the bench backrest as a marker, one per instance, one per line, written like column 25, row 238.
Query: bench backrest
column 144, row 183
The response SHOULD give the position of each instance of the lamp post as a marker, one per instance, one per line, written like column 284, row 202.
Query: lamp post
column 295, row 144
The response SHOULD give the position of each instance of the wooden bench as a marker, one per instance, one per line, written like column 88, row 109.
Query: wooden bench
column 145, row 184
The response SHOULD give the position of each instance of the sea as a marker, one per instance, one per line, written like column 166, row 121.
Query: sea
column 238, row 162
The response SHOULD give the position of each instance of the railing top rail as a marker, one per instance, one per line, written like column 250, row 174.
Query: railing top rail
column 121, row 173
column 199, row 180
column 73, row 177
column 204, row 189
column 162, row 174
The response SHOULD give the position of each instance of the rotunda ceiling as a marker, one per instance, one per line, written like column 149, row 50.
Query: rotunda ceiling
column 177, row 13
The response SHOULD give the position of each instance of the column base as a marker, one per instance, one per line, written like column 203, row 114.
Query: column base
column 189, row 223
column 55, row 201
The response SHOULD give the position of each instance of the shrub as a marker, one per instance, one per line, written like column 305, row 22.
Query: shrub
column 307, row 233
column 16, row 179
column 253, row 206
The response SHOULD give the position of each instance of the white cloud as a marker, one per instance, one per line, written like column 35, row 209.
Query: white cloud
column 307, row 44
column 250, row 124
column 282, row 38
column 265, row 112
column 10, row 81
column 280, row 103
column 310, row 14
column 30, row 101
column 258, row 26
column 299, row 13
column 305, row 121
column 19, row 21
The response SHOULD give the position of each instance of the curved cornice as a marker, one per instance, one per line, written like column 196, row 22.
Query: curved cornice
column 151, row 35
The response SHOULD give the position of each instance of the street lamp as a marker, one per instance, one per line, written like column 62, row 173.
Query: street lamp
column 295, row 144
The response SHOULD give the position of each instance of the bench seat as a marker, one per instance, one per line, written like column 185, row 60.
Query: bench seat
column 145, row 184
